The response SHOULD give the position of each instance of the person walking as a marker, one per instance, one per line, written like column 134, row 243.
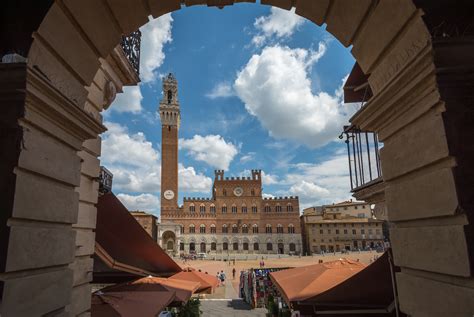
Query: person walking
column 233, row 273
column 222, row 277
column 218, row 275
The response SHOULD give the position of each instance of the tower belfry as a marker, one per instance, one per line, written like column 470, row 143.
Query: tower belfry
column 170, row 118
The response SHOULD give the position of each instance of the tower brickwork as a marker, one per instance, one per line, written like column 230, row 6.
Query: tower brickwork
column 170, row 119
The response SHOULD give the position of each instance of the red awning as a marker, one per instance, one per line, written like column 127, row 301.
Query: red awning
column 207, row 282
column 356, row 87
column 123, row 245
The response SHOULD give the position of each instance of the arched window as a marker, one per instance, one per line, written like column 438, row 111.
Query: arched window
column 225, row 229
column 213, row 246
column 213, row 209
column 181, row 229
column 244, row 209
column 255, row 246
column 203, row 247
column 292, row 247
column 224, row 209
column 254, row 209
column 291, row 228
column 213, row 228
column 269, row 246
column 267, row 208
column 192, row 208
column 235, row 246
column 192, row 246
column 255, row 228
column 245, row 246
column 192, row 229
column 245, row 229
column 202, row 208
column 289, row 207
column 202, row 229
column 235, row 229
column 181, row 246
column 278, row 208
column 234, row 209
column 252, row 192
column 225, row 246
column 268, row 229
column 279, row 228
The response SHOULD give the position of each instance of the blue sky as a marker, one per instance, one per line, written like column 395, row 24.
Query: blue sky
column 259, row 88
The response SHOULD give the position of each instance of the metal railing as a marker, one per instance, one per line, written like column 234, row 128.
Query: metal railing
column 363, row 156
column 131, row 47
column 105, row 180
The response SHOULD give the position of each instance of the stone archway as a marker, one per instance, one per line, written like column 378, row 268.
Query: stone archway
column 168, row 241
column 423, row 121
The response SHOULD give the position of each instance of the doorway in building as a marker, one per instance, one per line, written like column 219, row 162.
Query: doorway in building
column 281, row 248
column 203, row 247
column 192, row 247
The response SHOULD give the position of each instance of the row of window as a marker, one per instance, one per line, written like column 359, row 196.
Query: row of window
column 354, row 231
column 235, row 229
column 345, row 224
column 212, row 208
column 235, row 246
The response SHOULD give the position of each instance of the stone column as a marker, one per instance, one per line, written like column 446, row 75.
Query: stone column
column 44, row 171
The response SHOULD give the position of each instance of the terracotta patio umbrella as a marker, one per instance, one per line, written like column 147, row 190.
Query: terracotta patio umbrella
column 130, row 304
column 207, row 282
column 303, row 282
column 183, row 289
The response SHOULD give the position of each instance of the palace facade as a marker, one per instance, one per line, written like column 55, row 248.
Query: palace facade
column 235, row 219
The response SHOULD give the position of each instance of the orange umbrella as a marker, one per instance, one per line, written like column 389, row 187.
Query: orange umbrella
column 124, row 304
column 303, row 282
column 183, row 289
column 207, row 282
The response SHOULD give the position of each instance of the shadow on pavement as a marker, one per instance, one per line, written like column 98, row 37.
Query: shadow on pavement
column 239, row 304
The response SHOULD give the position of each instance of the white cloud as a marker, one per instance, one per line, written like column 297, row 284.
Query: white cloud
column 308, row 192
column 250, row 156
column 142, row 202
column 155, row 34
column 275, row 87
column 269, row 179
column 221, row 90
column 264, row 195
column 212, row 149
column 128, row 101
column 136, row 164
column 190, row 181
column 280, row 24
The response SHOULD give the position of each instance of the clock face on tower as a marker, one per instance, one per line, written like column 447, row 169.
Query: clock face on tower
column 168, row 194
column 238, row 191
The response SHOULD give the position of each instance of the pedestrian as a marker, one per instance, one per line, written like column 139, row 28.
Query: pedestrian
column 263, row 263
column 222, row 277
column 233, row 273
column 218, row 275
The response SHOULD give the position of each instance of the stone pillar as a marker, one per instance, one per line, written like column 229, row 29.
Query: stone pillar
column 46, row 133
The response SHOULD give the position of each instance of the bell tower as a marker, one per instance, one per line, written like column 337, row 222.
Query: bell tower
column 170, row 117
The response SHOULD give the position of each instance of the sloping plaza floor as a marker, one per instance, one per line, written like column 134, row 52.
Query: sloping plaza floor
column 229, row 308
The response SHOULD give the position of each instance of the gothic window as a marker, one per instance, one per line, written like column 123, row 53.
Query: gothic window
column 213, row 228
column 292, row 247
column 213, row 209
column 225, row 229
column 170, row 96
column 255, row 246
column 181, row 229
column 268, row 229
column 267, row 208
column 279, row 228
column 255, row 228
column 234, row 209
column 225, row 246
column 291, row 228
column 269, row 246
column 202, row 208
column 235, row 246
column 278, row 208
column 202, row 229
column 245, row 229
column 245, row 246
column 213, row 246
column 354, row 231
column 254, row 209
column 192, row 229
column 289, row 207
column 235, row 229
column 192, row 208
column 224, row 209
column 252, row 192
column 244, row 209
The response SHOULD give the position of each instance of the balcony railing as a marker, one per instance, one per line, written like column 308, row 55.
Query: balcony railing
column 363, row 157
column 105, row 180
column 131, row 47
